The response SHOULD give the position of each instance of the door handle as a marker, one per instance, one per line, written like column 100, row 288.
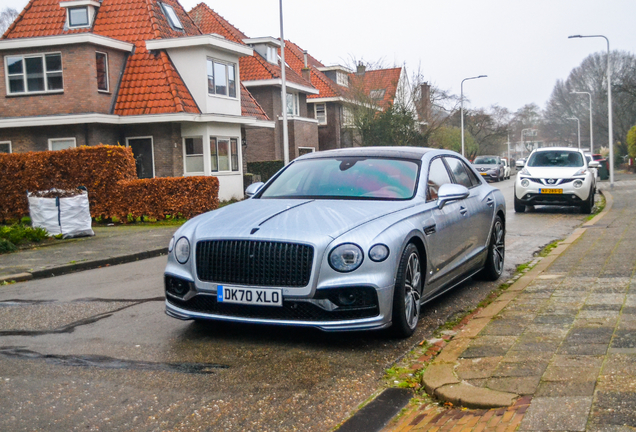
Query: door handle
column 463, row 210
column 490, row 202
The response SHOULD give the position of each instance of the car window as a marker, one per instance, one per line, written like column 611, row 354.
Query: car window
column 485, row 160
column 459, row 172
column 437, row 176
column 555, row 158
column 346, row 177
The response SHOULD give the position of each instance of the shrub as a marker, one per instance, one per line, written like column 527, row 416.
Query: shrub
column 6, row 246
column 265, row 169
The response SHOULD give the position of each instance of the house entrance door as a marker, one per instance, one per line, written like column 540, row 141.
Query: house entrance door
column 144, row 156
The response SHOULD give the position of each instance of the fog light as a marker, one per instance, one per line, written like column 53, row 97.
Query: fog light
column 525, row 183
column 578, row 183
column 347, row 298
column 378, row 252
column 176, row 286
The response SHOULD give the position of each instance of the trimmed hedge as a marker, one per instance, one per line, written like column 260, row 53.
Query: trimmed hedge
column 265, row 169
column 109, row 174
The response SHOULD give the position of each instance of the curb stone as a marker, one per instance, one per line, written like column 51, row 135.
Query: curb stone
column 439, row 378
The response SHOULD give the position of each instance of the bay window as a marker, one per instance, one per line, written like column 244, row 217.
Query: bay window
column 224, row 154
column 221, row 78
column 36, row 73
column 193, row 149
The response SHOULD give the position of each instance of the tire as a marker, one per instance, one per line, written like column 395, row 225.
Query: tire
column 586, row 207
column 519, row 208
column 407, row 293
column 496, row 252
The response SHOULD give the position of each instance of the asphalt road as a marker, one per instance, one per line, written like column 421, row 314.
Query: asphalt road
column 95, row 351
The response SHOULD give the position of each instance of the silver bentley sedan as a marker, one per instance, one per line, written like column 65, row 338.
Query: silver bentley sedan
column 349, row 239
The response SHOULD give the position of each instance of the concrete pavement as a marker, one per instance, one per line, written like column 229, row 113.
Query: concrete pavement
column 557, row 350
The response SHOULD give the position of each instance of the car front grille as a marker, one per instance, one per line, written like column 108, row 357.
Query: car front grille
column 254, row 262
column 290, row 311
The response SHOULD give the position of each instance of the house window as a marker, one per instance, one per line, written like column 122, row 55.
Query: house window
column 78, row 16
column 293, row 104
column 347, row 117
column 61, row 143
column 101, row 64
column 5, row 146
column 173, row 19
column 321, row 113
column 342, row 79
column 34, row 73
column 305, row 150
column 377, row 94
column 221, row 78
column 193, row 149
column 224, row 154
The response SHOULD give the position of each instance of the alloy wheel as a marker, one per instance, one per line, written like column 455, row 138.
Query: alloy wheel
column 412, row 290
column 499, row 247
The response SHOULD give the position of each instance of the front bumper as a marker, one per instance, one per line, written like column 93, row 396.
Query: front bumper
column 489, row 175
column 539, row 193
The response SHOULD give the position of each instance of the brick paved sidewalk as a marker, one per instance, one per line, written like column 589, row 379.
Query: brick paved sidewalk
column 562, row 349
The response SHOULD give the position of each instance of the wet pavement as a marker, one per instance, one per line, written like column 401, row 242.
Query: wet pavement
column 562, row 339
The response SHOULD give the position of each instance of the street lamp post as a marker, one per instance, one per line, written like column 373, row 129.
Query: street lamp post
column 522, row 141
column 462, row 107
column 609, row 104
column 283, row 93
column 578, row 128
column 591, row 134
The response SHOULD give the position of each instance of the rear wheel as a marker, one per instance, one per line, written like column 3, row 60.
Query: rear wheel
column 407, row 293
column 586, row 207
column 496, row 252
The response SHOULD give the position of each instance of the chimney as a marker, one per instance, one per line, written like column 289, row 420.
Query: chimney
column 306, row 72
column 361, row 69
column 424, row 109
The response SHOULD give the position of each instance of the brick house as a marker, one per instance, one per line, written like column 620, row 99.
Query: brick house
column 138, row 73
column 261, row 74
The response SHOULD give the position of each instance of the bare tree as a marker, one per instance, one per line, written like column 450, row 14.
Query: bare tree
column 7, row 16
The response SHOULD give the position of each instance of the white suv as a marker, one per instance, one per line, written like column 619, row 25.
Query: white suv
column 556, row 176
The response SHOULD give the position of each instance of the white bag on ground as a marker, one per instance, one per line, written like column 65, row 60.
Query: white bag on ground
column 69, row 216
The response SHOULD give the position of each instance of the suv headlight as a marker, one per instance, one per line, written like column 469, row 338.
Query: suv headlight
column 525, row 183
column 524, row 172
column 578, row 183
column 346, row 257
column 182, row 250
column 582, row 171
column 379, row 252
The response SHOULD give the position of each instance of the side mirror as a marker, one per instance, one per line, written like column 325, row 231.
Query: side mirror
column 593, row 164
column 451, row 192
column 253, row 189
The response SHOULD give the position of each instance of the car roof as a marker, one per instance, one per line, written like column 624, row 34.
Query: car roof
column 487, row 156
column 395, row 152
column 558, row 149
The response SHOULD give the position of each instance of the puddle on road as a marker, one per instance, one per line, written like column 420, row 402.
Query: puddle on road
column 104, row 362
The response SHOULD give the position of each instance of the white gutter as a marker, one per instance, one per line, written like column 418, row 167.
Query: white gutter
column 76, row 38
column 209, row 40
column 279, row 82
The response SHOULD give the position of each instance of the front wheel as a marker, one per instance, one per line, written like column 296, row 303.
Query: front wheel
column 496, row 252
column 586, row 207
column 519, row 208
column 407, row 293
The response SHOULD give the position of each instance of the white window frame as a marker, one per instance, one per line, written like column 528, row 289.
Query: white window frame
column 238, row 154
column 295, row 104
column 227, row 78
column 88, row 17
column 185, row 171
column 24, row 74
column 52, row 140
column 152, row 147
column 10, row 148
column 171, row 16
column 324, row 122
column 347, row 117
column 342, row 79
column 107, row 78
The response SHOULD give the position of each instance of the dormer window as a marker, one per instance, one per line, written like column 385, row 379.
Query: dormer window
column 377, row 94
column 78, row 16
column 80, row 13
column 173, row 19
column 342, row 79
column 267, row 47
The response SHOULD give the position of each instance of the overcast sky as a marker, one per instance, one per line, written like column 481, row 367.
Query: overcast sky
column 521, row 45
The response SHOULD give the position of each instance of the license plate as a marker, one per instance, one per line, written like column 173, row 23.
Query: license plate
column 484, row 174
column 551, row 191
column 253, row 296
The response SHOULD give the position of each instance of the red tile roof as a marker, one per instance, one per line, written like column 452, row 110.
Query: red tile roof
column 249, row 106
column 254, row 68
column 151, row 83
column 379, row 79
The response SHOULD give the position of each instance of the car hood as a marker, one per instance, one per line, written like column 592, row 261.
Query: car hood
column 293, row 219
column 552, row 172
column 487, row 166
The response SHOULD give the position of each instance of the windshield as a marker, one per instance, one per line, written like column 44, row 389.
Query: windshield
column 555, row 158
column 347, row 177
column 486, row 160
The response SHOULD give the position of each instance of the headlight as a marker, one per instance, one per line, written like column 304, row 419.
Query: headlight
column 346, row 257
column 182, row 250
column 525, row 183
column 582, row 171
column 493, row 171
column 524, row 172
column 171, row 245
column 578, row 183
column 378, row 253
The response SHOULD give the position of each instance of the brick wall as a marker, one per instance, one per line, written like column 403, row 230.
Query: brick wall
column 260, row 145
column 329, row 134
column 168, row 157
column 80, row 84
column 301, row 134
